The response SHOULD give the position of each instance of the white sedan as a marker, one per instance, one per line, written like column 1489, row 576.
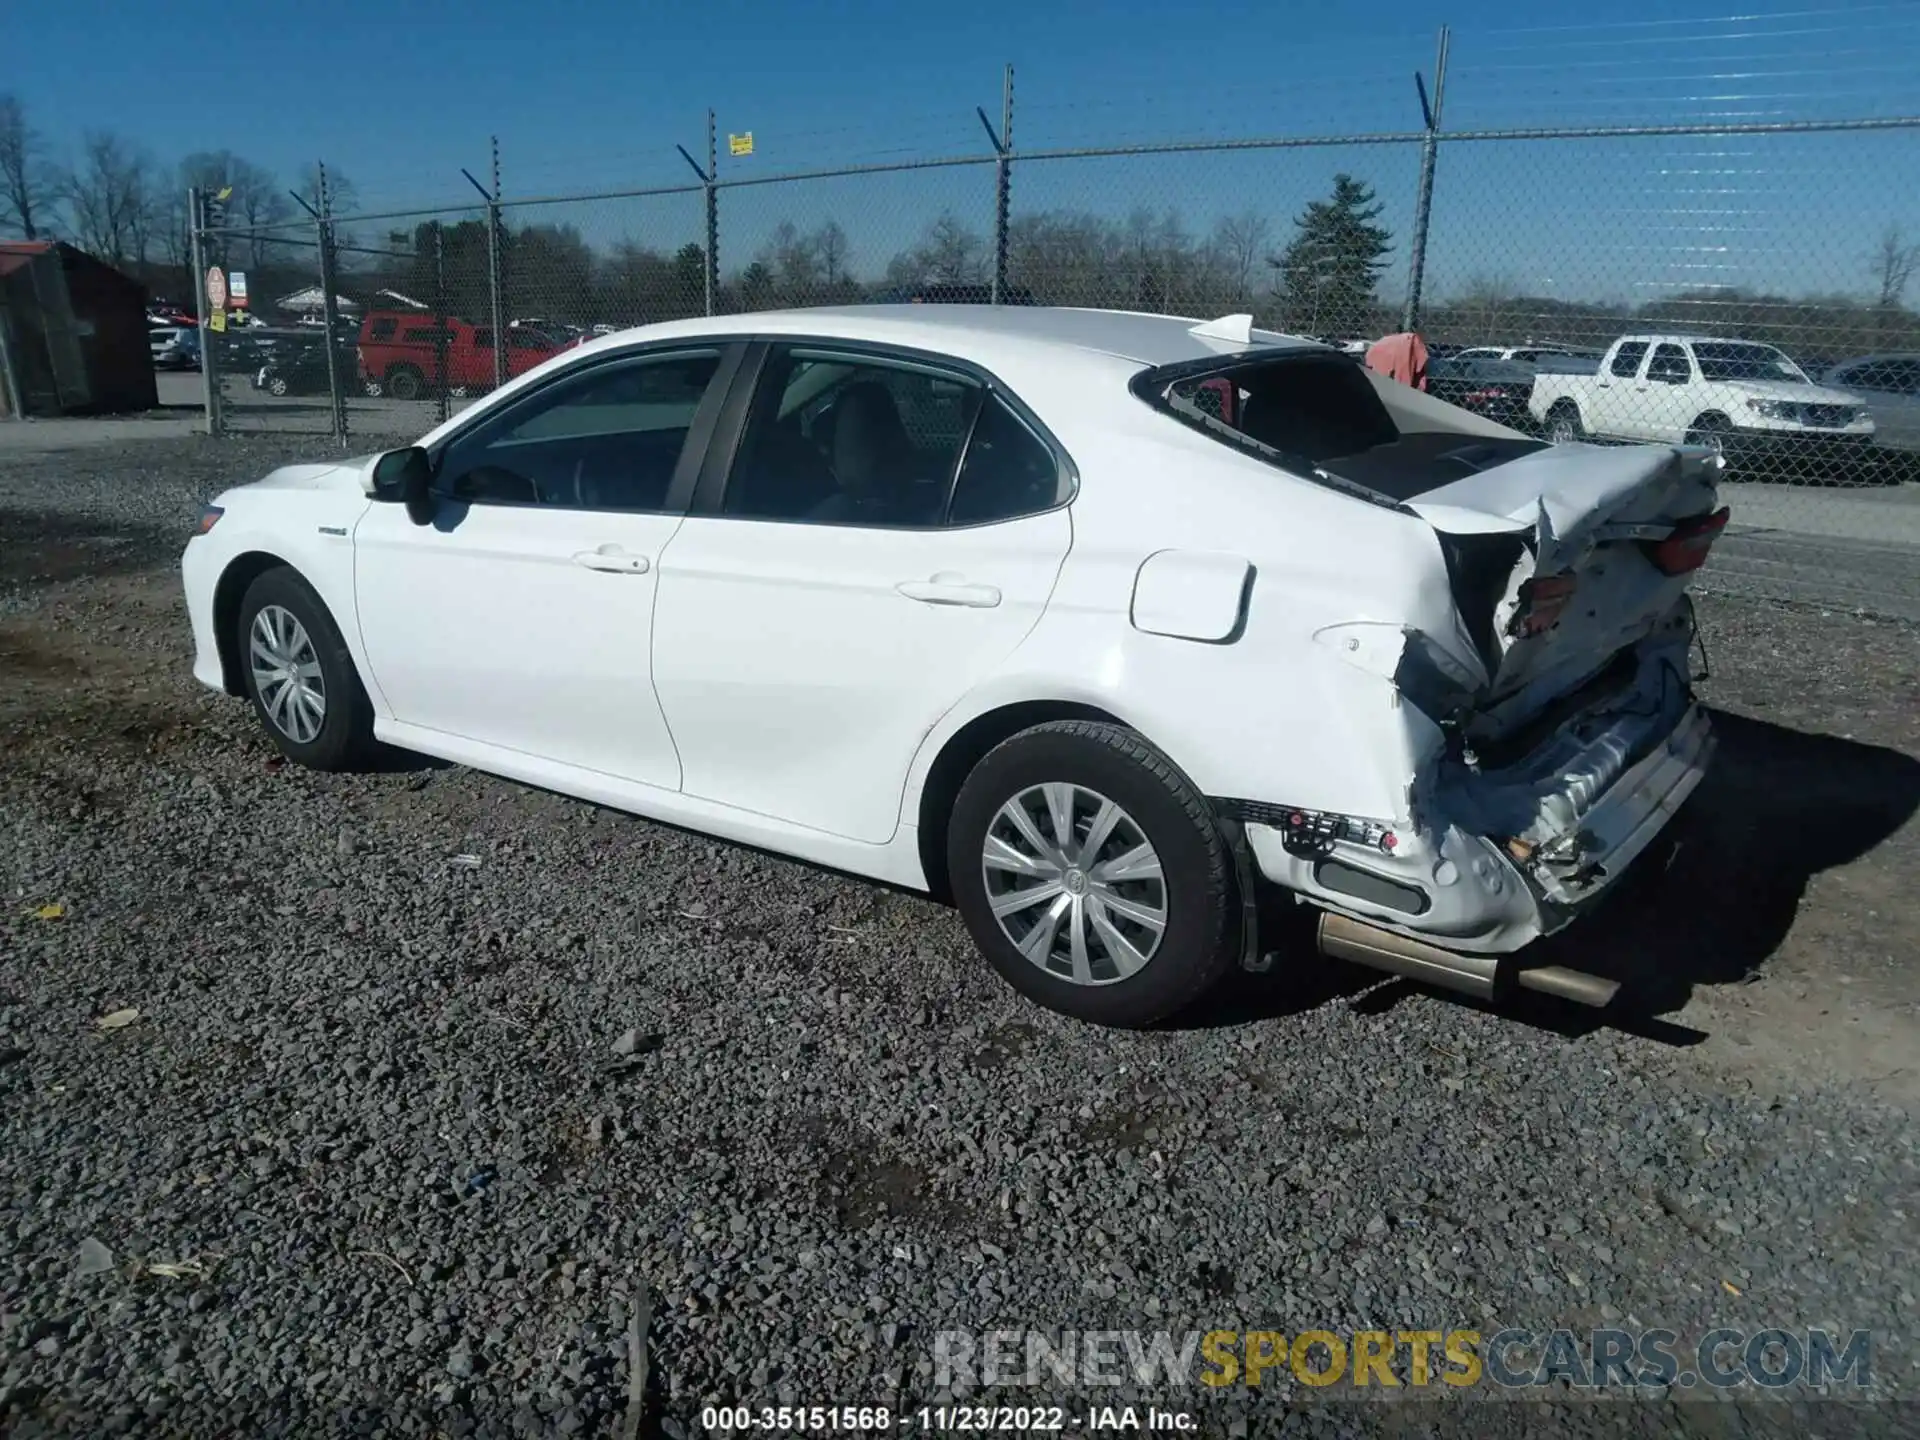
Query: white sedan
column 1093, row 623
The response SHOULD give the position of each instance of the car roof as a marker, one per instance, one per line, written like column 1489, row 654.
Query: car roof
column 1686, row 339
column 978, row 332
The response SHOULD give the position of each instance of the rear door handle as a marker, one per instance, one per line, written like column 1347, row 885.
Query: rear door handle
column 950, row 590
column 613, row 559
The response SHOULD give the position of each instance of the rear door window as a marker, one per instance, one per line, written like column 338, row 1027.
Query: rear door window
column 1008, row 470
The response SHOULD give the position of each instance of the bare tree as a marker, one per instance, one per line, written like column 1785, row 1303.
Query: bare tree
column 794, row 260
column 27, row 185
column 1239, row 241
column 1483, row 303
column 343, row 196
column 255, row 203
column 112, row 199
column 830, row 244
column 1893, row 265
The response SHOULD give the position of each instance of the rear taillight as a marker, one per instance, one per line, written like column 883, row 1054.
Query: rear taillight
column 1541, row 602
column 209, row 517
column 1685, row 550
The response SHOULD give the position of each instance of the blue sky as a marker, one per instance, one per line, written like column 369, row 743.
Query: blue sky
column 588, row 94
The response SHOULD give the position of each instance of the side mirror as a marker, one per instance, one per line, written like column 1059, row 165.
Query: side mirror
column 406, row 476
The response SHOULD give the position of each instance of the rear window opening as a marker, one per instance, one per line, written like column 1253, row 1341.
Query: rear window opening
column 1322, row 416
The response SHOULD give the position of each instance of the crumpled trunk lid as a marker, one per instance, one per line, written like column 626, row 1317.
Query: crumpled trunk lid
column 1551, row 559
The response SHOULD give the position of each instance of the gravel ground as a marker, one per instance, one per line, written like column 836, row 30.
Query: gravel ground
column 440, row 1088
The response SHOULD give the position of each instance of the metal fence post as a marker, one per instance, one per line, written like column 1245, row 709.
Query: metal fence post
column 496, row 284
column 1002, row 185
column 496, row 303
column 713, row 215
column 197, row 252
column 1423, row 206
column 440, row 385
column 329, row 308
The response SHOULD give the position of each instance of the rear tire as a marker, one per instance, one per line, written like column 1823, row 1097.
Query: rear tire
column 406, row 383
column 1126, row 927
column 300, row 676
column 277, row 385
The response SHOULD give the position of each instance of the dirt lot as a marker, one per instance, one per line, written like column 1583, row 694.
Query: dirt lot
column 373, row 1100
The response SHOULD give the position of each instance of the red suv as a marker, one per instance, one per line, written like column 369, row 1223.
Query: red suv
column 401, row 353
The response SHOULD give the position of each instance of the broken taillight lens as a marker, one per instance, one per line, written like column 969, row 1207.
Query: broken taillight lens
column 1542, row 600
column 1685, row 550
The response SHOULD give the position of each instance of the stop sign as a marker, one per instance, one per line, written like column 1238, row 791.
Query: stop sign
column 216, row 287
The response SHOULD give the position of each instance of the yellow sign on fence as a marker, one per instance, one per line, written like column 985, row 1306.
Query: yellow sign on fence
column 740, row 144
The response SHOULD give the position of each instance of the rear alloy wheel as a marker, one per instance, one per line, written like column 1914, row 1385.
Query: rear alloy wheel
column 300, row 675
column 1092, row 875
column 1564, row 427
column 277, row 385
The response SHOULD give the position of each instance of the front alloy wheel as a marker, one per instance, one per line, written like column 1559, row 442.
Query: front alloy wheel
column 300, row 675
column 287, row 675
column 1075, row 884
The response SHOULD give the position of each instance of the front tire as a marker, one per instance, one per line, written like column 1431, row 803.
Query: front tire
column 300, row 676
column 1092, row 874
column 1710, row 432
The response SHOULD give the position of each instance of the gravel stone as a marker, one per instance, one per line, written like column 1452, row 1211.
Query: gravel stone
column 376, row 1107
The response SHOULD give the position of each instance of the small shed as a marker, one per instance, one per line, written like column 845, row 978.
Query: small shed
column 73, row 334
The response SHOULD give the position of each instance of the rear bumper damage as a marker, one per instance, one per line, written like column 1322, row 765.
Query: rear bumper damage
column 1495, row 858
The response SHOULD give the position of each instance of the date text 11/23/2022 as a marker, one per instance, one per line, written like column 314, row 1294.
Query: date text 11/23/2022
column 943, row 1419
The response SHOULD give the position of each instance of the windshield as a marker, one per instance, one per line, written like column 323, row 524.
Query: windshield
column 1746, row 362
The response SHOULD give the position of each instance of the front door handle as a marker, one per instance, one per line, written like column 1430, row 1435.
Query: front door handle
column 613, row 559
column 950, row 590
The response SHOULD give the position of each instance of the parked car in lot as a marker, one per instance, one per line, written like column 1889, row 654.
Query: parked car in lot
column 1497, row 389
column 1743, row 400
column 1528, row 354
column 174, row 348
column 302, row 370
column 1890, row 387
column 1096, row 624
column 409, row 355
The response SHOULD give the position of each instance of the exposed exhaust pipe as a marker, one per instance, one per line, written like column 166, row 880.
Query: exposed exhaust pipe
column 1345, row 938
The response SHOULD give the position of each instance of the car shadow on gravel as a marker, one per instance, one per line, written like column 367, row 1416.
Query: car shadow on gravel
column 1714, row 902
column 1708, row 905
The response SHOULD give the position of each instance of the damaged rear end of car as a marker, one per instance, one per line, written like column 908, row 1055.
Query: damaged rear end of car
column 1546, row 703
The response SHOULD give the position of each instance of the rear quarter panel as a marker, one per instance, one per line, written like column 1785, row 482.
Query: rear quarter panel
column 1271, row 713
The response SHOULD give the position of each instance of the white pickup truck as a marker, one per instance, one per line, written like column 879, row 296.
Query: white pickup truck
column 1746, row 401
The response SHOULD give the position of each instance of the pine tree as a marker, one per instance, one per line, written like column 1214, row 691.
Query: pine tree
column 1331, row 269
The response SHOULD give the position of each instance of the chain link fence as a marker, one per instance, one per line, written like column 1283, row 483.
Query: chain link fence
column 1731, row 272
